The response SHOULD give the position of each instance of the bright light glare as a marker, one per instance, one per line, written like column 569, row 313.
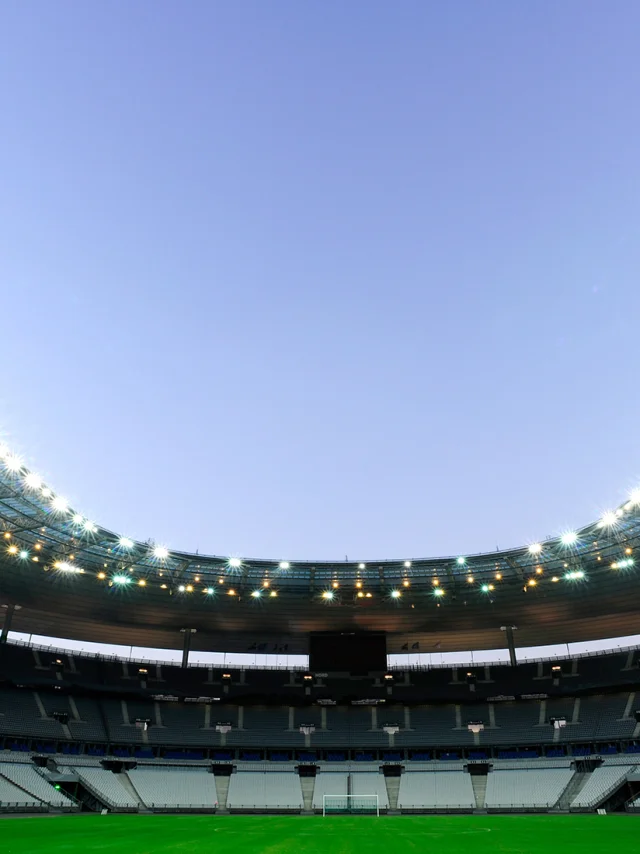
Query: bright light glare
column 574, row 575
column 126, row 543
column 24, row 554
column 235, row 562
column 609, row 519
column 535, row 548
column 121, row 579
column 634, row 498
column 362, row 566
column 78, row 519
column 256, row 594
column 396, row 594
column 284, row 564
column 161, row 552
column 90, row 526
column 461, row 561
column 33, row 481
column 569, row 538
column 438, row 591
column 59, row 503
column 407, row 564
column 328, row 594
column 46, row 492
column 13, row 462
column 210, row 591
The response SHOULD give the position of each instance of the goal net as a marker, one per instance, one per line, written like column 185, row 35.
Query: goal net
column 350, row 805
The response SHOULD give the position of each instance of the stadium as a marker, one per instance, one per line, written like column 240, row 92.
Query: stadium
column 314, row 703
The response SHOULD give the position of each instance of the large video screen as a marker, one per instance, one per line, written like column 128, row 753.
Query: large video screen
column 347, row 652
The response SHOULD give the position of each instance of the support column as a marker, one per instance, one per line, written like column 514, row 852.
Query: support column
column 8, row 617
column 509, row 630
column 186, row 645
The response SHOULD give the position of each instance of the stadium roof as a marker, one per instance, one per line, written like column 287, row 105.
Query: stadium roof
column 75, row 579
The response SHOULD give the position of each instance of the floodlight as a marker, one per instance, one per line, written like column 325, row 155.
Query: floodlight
column 24, row 554
column 161, row 552
column 32, row 481
column 13, row 550
column 90, row 526
column 13, row 462
column 121, row 579
column 78, row 519
column 438, row 591
column 634, row 498
column 209, row 590
column 461, row 561
column 609, row 519
column 125, row 542
column 256, row 594
column 284, row 564
column 362, row 566
column 396, row 594
column 569, row 538
column 181, row 588
column 485, row 588
column 535, row 548
column 407, row 564
column 235, row 562
column 59, row 503
column 328, row 594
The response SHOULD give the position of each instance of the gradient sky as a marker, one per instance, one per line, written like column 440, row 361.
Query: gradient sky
column 316, row 279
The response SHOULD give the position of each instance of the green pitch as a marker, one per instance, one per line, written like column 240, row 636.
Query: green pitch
column 113, row 834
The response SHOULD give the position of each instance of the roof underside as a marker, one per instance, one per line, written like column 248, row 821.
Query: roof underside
column 60, row 569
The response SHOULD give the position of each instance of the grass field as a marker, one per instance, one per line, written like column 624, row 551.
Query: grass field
column 314, row 835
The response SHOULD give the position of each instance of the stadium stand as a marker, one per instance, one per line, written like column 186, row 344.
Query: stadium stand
column 29, row 780
column 526, row 789
column 367, row 783
column 13, row 798
column 109, row 787
column 329, row 783
column 178, row 789
column 436, row 790
column 268, row 790
column 600, row 784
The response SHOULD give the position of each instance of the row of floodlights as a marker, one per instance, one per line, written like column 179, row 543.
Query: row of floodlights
column 13, row 463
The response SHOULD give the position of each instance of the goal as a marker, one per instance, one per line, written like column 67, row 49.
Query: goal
column 350, row 805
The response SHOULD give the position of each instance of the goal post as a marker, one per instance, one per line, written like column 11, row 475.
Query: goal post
column 350, row 805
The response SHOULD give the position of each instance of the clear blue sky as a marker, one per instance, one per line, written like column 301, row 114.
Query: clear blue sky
column 315, row 279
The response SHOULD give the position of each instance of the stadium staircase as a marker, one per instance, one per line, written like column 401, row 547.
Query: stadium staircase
column 575, row 786
column 127, row 782
column 479, row 783
column 222, row 787
column 307, row 784
column 393, row 790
